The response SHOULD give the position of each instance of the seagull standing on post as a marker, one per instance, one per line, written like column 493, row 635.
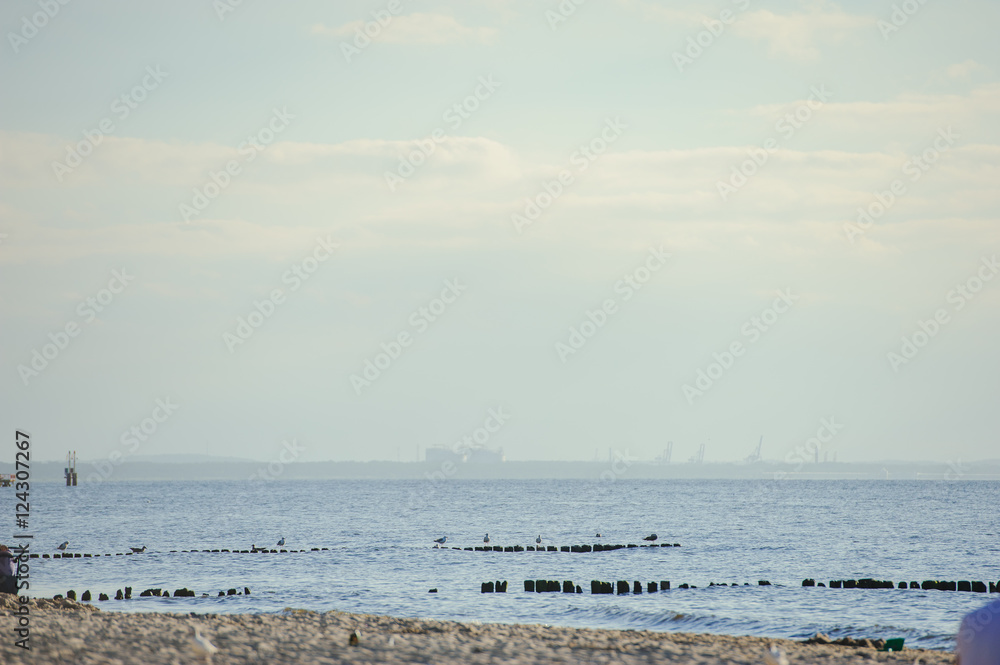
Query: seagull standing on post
column 281, row 543
column 63, row 546
column 440, row 541
column 486, row 540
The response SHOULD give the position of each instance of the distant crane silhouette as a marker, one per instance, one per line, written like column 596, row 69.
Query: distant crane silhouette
column 755, row 455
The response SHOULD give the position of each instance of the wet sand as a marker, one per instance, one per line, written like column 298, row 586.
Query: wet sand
column 68, row 632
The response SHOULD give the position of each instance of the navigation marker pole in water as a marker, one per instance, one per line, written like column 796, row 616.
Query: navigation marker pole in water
column 70, row 470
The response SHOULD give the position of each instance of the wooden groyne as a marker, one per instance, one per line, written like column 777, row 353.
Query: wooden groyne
column 636, row 587
column 868, row 583
column 598, row 587
column 486, row 548
column 126, row 594
column 81, row 555
column 597, row 547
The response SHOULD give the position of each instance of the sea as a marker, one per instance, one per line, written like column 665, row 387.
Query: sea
column 376, row 552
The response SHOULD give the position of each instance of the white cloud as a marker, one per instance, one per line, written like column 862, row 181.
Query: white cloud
column 125, row 197
column 904, row 122
column 214, row 239
column 797, row 34
column 964, row 70
column 800, row 34
column 464, row 196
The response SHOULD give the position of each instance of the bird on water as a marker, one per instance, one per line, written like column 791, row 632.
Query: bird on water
column 487, row 539
column 281, row 543
column 63, row 546
column 650, row 537
column 539, row 539
column 138, row 550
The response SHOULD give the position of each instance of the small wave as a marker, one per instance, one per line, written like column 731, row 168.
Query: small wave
column 693, row 622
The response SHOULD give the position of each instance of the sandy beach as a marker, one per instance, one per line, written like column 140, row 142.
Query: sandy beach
column 67, row 632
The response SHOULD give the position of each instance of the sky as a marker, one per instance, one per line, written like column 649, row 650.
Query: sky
column 354, row 230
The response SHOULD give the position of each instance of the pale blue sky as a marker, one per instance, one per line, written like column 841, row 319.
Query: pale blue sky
column 657, row 185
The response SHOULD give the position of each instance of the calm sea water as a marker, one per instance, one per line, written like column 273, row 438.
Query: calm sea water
column 381, row 559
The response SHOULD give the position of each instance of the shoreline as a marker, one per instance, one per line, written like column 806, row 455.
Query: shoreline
column 66, row 631
column 239, row 470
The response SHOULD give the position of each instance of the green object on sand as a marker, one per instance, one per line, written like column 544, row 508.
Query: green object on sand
column 895, row 644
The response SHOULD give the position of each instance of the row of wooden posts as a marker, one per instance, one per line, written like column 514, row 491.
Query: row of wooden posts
column 79, row 555
column 596, row 586
column 868, row 583
column 126, row 594
column 598, row 547
column 623, row 587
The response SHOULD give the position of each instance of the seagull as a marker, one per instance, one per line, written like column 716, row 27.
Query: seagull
column 441, row 541
column 138, row 550
column 650, row 538
column 281, row 543
column 539, row 540
column 201, row 646
column 775, row 656
column 63, row 546
column 487, row 539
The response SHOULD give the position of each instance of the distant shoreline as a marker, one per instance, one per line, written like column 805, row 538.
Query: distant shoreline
column 102, row 471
